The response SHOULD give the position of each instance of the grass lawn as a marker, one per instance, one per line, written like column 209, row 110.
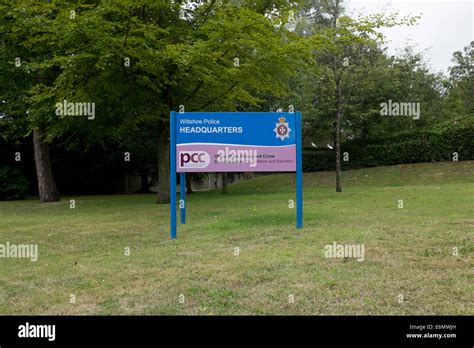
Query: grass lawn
column 408, row 251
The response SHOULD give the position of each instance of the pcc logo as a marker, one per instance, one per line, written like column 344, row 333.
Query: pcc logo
column 194, row 159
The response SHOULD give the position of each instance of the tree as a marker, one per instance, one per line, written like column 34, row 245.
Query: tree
column 342, row 47
column 24, row 29
column 227, row 57
column 460, row 99
column 136, row 61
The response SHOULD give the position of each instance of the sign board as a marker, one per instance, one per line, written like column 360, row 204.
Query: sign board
column 234, row 142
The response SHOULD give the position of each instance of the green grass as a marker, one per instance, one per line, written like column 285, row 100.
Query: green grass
column 408, row 251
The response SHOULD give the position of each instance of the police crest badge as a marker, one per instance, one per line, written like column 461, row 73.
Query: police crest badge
column 282, row 130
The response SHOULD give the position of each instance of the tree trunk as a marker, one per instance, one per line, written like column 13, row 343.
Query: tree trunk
column 337, row 139
column 48, row 191
column 224, row 183
column 338, row 102
column 189, row 188
column 164, row 167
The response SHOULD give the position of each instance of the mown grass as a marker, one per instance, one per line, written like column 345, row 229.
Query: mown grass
column 408, row 251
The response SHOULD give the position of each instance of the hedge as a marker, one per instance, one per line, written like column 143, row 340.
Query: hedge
column 415, row 146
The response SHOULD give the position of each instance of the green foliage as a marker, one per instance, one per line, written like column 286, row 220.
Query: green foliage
column 137, row 61
column 13, row 184
column 439, row 143
column 216, row 55
column 460, row 100
column 177, row 56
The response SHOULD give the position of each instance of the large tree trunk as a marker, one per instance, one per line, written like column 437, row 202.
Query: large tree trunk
column 337, row 139
column 224, row 183
column 48, row 191
column 164, row 167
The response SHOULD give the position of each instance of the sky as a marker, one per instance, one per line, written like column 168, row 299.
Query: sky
column 445, row 26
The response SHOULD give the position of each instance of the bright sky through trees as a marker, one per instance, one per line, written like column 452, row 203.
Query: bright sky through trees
column 445, row 26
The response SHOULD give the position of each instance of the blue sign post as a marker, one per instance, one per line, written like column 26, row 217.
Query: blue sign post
column 234, row 142
column 173, row 175
column 182, row 195
column 299, row 172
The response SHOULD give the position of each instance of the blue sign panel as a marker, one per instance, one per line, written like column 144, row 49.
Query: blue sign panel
column 235, row 141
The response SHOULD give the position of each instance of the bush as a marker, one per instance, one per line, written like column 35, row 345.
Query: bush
column 13, row 184
column 415, row 146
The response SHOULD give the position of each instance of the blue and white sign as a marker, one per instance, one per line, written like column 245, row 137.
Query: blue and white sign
column 234, row 142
